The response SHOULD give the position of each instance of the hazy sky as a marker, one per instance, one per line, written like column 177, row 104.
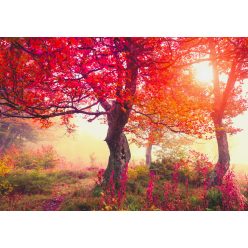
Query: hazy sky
column 238, row 145
column 88, row 140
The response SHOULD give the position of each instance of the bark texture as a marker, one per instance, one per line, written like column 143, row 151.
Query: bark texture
column 148, row 155
column 119, row 157
column 117, row 142
column 223, row 163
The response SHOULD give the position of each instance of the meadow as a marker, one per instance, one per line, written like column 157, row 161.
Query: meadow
column 35, row 181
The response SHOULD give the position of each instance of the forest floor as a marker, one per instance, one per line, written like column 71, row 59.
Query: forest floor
column 68, row 190
column 49, row 190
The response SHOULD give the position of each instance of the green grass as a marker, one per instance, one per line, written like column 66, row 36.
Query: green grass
column 214, row 197
column 32, row 189
column 79, row 204
column 35, row 189
column 30, row 182
column 40, row 182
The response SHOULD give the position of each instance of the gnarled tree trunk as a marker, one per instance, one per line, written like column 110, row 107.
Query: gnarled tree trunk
column 148, row 154
column 117, row 143
column 119, row 157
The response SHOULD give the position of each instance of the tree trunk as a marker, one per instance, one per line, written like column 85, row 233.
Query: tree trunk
column 119, row 157
column 223, row 163
column 117, row 117
column 148, row 154
column 220, row 101
column 117, row 143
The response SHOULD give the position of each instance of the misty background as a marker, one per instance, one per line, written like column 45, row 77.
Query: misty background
column 86, row 146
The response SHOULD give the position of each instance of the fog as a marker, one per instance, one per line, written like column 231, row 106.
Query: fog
column 86, row 146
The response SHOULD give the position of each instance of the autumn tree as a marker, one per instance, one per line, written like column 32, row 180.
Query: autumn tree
column 180, row 107
column 229, row 60
column 48, row 77
column 228, row 56
column 219, row 103
column 16, row 132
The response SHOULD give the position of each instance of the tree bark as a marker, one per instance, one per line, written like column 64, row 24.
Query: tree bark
column 119, row 157
column 223, row 163
column 117, row 143
column 148, row 154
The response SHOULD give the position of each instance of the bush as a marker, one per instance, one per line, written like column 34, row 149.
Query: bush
column 5, row 168
column 162, row 168
column 43, row 158
column 32, row 182
column 195, row 168
column 232, row 198
column 138, row 178
column 138, row 172
column 195, row 201
column 134, row 202
column 5, row 187
column 214, row 198
column 97, row 191
column 68, row 177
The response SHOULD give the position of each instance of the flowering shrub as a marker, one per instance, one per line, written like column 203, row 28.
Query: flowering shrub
column 149, row 191
column 123, row 186
column 187, row 188
column 99, row 179
column 108, row 199
column 194, row 169
column 113, row 196
column 173, row 196
column 232, row 199
column 177, row 195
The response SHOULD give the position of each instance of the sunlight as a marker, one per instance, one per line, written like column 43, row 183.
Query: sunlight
column 203, row 72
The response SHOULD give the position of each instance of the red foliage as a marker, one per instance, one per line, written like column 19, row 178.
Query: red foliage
column 176, row 195
column 175, row 174
column 99, row 179
column 123, row 186
column 168, row 190
column 113, row 196
column 149, row 190
column 232, row 199
column 62, row 76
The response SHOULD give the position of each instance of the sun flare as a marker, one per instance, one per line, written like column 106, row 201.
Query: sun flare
column 203, row 72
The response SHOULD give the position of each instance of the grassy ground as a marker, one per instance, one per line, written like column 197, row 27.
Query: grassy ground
column 48, row 190
column 65, row 190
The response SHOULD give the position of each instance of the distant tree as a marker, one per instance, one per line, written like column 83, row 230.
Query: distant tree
column 228, row 56
column 180, row 107
column 15, row 132
column 229, row 60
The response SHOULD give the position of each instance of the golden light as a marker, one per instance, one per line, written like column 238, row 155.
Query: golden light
column 203, row 72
